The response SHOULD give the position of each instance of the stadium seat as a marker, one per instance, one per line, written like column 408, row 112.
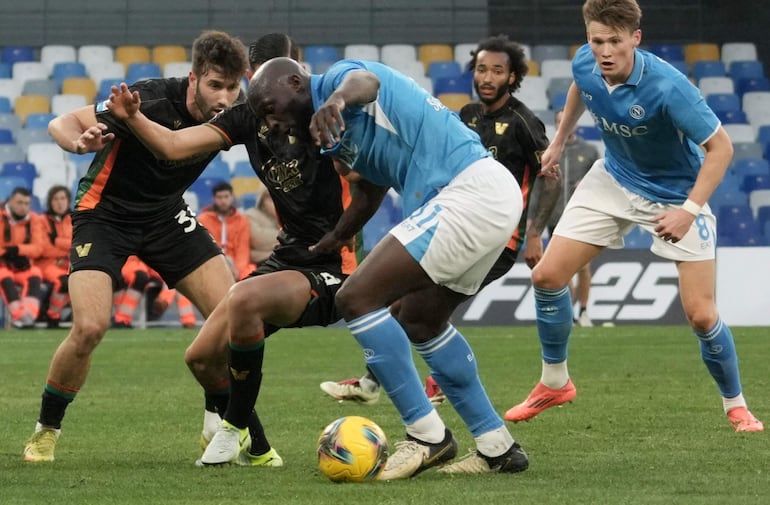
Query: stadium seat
column 763, row 211
column 744, row 69
column 320, row 57
column 750, row 166
column 9, row 183
column 533, row 68
column 164, row 54
column 708, row 68
column 65, row 69
column 542, row 52
column 461, row 84
column 412, row 68
column 11, row 152
column 756, row 105
column 236, row 153
column 51, row 54
column 245, row 185
column 428, row 53
column 739, row 231
column 141, row 71
column 740, row 132
column 23, row 169
column 700, row 51
column 177, row 69
column 668, row 52
column 533, row 93
column 191, row 198
column 573, row 49
column 732, row 117
column 439, row 69
column 25, row 105
column 242, row 168
column 6, row 136
column 128, row 54
column 248, row 201
column 217, row 169
column 46, row 87
column 202, row 188
column 557, row 85
column 23, row 71
column 5, row 105
column 84, row 86
column 368, row 52
column 757, row 200
column 723, row 101
column 455, row 101
column 545, row 115
column 10, row 121
column 13, row 54
column 6, row 70
column 10, row 88
column 551, row 69
column 93, row 55
column 745, row 85
column 111, row 70
column 61, row 104
column 27, row 136
column 738, row 51
column 393, row 54
column 557, row 101
column 755, row 183
column 463, row 54
column 763, row 134
column 719, row 84
column 747, row 150
column 105, row 86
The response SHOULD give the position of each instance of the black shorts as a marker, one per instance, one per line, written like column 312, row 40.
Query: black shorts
column 173, row 246
column 504, row 263
column 324, row 284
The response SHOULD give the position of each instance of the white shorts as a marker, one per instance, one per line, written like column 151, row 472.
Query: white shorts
column 458, row 235
column 602, row 212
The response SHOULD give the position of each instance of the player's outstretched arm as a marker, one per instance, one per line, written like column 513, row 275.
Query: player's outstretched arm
column 78, row 131
column 164, row 144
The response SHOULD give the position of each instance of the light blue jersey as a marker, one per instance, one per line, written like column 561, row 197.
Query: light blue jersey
column 406, row 139
column 651, row 125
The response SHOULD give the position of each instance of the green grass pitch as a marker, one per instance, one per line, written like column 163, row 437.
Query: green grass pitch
column 646, row 427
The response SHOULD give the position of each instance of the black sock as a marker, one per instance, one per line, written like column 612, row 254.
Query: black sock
column 52, row 409
column 259, row 443
column 245, row 380
column 217, row 401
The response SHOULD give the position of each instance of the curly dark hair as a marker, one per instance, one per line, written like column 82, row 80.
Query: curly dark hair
column 272, row 46
column 516, row 57
column 219, row 51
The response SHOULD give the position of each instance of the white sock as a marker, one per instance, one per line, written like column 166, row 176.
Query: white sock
column 39, row 427
column 494, row 443
column 731, row 403
column 554, row 375
column 211, row 424
column 429, row 428
column 368, row 384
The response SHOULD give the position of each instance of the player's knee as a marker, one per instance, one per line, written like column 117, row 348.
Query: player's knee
column 702, row 318
column 241, row 298
column 420, row 330
column 346, row 302
column 86, row 335
column 545, row 278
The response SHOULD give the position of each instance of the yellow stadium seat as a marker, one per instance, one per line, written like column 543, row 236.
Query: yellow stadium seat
column 428, row 53
column 242, row 185
column 700, row 51
column 79, row 86
column 31, row 104
column 533, row 68
column 132, row 54
column 455, row 101
column 168, row 54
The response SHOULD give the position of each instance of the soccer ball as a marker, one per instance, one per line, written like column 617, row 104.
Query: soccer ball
column 352, row 449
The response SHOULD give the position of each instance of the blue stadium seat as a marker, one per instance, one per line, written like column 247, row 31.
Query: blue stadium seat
column 734, row 212
column 739, row 232
column 708, row 68
column 763, row 134
column 729, row 196
column 141, row 71
column 8, row 183
column 217, row 169
column 763, row 217
column 668, row 52
column 755, row 182
column 750, row 166
column 438, row 69
column 39, row 120
column 747, row 150
column 6, row 70
column 557, row 101
column 458, row 84
column 64, row 69
column 6, row 136
column 243, row 168
column 732, row 116
column 746, row 84
column 248, row 200
column 747, row 69
column 320, row 57
column 14, row 54
column 202, row 188
column 103, row 92
column 22, row 169
column 5, row 105
column 720, row 102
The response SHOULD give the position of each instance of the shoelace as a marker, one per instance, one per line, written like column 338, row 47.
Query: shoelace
column 404, row 450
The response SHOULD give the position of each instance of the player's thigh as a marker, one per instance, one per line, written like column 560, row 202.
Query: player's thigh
column 207, row 284
column 562, row 259
column 424, row 314
column 91, row 300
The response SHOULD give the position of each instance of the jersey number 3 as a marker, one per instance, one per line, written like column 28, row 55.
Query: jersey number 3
column 187, row 219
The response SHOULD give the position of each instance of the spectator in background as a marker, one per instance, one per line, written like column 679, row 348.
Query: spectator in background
column 54, row 262
column 575, row 161
column 264, row 227
column 136, row 276
column 22, row 233
column 229, row 228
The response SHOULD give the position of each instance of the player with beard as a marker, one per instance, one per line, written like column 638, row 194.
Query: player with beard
column 128, row 203
column 516, row 137
column 294, row 287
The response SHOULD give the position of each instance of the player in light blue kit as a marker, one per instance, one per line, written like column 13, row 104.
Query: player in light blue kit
column 654, row 123
column 461, row 206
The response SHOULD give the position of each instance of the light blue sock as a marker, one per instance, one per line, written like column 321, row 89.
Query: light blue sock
column 717, row 349
column 388, row 355
column 554, row 322
column 453, row 365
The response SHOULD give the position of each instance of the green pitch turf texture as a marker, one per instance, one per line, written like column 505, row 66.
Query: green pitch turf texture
column 646, row 427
